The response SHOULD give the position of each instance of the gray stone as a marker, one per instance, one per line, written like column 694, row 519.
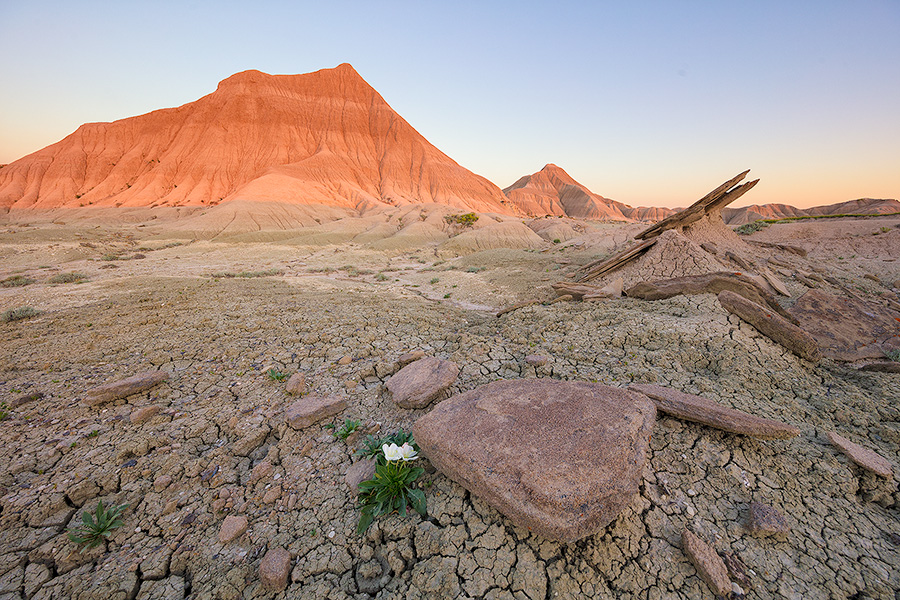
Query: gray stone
column 163, row 589
column 560, row 458
column 275, row 569
column 124, row 387
column 536, row 360
column 765, row 521
column 312, row 409
column 702, row 410
column 867, row 459
column 772, row 325
column 709, row 565
column 420, row 383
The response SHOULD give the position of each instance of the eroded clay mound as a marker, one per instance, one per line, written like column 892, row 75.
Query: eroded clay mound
column 323, row 138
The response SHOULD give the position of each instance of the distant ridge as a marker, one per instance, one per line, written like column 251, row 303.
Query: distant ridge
column 552, row 191
column 323, row 138
column 862, row 206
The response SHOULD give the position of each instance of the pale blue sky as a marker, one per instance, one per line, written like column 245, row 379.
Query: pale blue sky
column 649, row 103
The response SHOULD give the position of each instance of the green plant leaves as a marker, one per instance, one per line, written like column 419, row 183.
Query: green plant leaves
column 93, row 531
column 390, row 490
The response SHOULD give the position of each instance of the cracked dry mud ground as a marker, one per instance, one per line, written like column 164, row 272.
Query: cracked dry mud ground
column 220, row 416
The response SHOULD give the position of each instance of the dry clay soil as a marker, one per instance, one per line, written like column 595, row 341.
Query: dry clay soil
column 343, row 315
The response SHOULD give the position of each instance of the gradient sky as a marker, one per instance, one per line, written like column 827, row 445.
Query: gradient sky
column 648, row 103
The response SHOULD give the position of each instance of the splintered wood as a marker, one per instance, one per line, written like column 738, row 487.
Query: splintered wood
column 717, row 199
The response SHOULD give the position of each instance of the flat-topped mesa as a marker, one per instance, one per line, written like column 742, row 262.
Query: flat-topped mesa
column 323, row 138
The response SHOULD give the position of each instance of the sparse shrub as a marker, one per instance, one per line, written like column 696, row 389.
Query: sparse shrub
column 391, row 489
column 465, row 220
column 381, row 277
column 92, row 532
column 434, row 280
column 16, row 281
column 446, row 295
column 276, row 375
column 4, row 411
column 749, row 228
column 247, row 274
column 110, row 256
column 475, row 269
column 68, row 278
column 894, row 355
column 557, row 240
column 17, row 314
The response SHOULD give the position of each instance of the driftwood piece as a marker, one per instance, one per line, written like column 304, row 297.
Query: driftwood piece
column 731, row 196
column 692, row 213
column 785, row 247
column 710, row 283
column 598, row 268
column 576, row 290
column 509, row 309
column 773, row 326
column 738, row 260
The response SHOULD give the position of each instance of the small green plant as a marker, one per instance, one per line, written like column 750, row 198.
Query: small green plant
column 4, row 411
column 381, row 277
column 92, row 532
column 434, row 280
column 17, row 314
column 749, row 228
column 110, row 257
column 391, row 489
column 16, row 281
column 475, row 269
column 894, row 355
column 557, row 240
column 466, row 220
column 276, row 375
column 446, row 295
column 94, row 433
column 68, row 278
column 349, row 426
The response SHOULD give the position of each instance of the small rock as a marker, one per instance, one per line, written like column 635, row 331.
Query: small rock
column 709, row 565
column 312, row 409
column 275, row 569
column 536, row 360
column 162, row 482
column 360, row 471
column 262, row 470
column 867, row 459
column 233, row 527
column 143, row 414
column 272, row 494
column 611, row 290
column 410, row 357
column 296, row 385
column 765, row 521
column 26, row 399
column 346, row 360
column 710, row 247
column 124, row 387
column 420, row 383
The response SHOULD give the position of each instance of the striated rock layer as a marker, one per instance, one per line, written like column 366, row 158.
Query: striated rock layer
column 324, row 138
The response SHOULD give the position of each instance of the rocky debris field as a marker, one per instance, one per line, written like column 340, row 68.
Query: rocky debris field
column 227, row 499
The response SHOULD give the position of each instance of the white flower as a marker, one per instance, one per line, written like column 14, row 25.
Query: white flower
column 407, row 452
column 394, row 452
